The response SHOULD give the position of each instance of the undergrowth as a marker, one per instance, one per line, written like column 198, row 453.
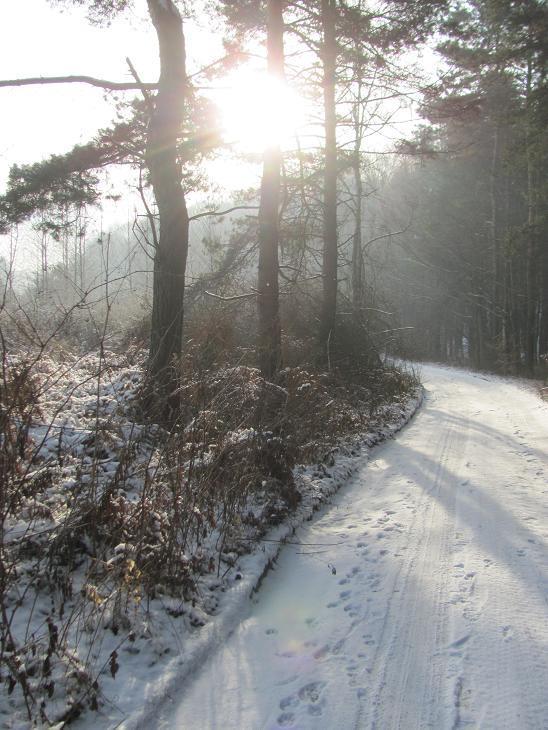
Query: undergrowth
column 105, row 516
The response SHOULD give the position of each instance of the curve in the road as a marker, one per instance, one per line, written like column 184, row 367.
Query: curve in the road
column 437, row 615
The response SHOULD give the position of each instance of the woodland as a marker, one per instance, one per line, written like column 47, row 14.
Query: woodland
column 166, row 382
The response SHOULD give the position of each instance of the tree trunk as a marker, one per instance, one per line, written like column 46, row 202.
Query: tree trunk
column 357, row 252
column 269, row 336
column 329, row 269
column 531, row 263
column 165, row 173
column 495, row 306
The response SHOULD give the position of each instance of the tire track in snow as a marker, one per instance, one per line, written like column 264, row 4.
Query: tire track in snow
column 403, row 673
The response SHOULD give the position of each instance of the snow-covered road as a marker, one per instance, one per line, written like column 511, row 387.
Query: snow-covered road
column 437, row 615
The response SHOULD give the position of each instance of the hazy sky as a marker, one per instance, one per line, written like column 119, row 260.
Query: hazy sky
column 37, row 39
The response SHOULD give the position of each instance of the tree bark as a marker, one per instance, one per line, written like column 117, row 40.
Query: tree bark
column 329, row 269
column 496, row 306
column 269, row 335
column 165, row 173
column 531, row 263
column 357, row 252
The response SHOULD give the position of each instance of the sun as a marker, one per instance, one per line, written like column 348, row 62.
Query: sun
column 259, row 111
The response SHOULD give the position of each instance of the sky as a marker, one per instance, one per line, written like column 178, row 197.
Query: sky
column 41, row 39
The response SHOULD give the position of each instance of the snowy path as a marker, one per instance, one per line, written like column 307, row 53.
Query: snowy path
column 437, row 616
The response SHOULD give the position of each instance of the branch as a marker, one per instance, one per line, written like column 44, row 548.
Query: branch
column 146, row 95
column 234, row 298
column 387, row 235
column 101, row 83
column 219, row 213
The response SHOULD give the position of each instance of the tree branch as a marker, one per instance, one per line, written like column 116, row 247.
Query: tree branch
column 234, row 298
column 101, row 83
column 222, row 212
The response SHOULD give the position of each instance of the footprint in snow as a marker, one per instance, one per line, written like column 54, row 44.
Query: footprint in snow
column 337, row 648
column 286, row 719
column 311, row 692
column 315, row 710
column 322, row 652
column 287, row 680
column 291, row 701
column 459, row 642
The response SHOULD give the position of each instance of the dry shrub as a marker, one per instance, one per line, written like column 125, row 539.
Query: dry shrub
column 19, row 406
column 176, row 505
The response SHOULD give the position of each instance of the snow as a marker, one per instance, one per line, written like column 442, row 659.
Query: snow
column 417, row 598
column 152, row 674
column 118, row 649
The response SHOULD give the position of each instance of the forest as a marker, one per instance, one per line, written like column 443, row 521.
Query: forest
column 184, row 375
